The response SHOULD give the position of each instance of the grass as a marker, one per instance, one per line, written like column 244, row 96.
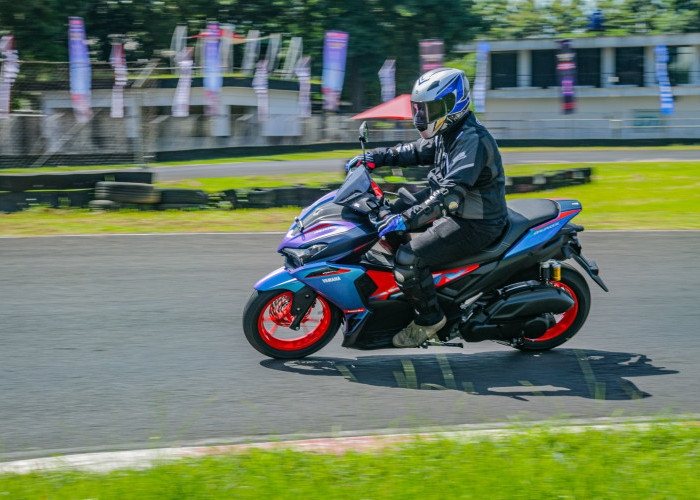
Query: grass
column 656, row 464
column 621, row 196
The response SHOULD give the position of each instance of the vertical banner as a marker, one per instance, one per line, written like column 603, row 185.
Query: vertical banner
column 387, row 77
column 482, row 64
column 335, row 49
column 273, row 48
column 260, row 85
column 252, row 50
column 118, row 62
column 566, row 67
column 665, row 94
column 8, row 72
column 431, row 54
column 291, row 59
column 80, row 73
column 181, row 100
column 213, row 79
column 303, row 72
column 227, row 36
column 178, row 43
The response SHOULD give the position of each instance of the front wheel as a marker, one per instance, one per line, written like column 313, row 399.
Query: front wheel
column 571, row 321
column 267, row 318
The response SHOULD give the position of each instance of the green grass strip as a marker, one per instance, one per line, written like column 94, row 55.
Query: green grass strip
column 621, row 196
column 660, row 463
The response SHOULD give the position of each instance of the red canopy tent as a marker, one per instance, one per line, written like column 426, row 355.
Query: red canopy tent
column 399, row 108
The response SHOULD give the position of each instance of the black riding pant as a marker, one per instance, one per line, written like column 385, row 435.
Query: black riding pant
column 448, row 239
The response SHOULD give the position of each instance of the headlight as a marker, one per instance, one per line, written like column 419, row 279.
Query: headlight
column 297, row 257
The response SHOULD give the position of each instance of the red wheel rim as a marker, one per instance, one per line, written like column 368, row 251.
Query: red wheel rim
column 564, row 321
column 275, row 318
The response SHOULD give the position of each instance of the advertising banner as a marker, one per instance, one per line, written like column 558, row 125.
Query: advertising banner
column 335, row 51
column 482, row 63
column 431, row 54
column 80, row 72
column 260, row 85
column 118, row 62
column 387, row 77
column 252, row 50
column 8, row 72
column 303, row 72
column 566, row 68
column 273, row 48
column 292, row 57
column 665, row 94
column 213, row 80
column 181, row 100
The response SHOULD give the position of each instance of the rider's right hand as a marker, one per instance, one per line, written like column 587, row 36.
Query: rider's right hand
column 361, row 159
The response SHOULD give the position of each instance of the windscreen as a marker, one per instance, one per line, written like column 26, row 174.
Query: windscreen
column 357, row 183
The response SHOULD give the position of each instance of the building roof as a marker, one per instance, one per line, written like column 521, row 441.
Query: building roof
column 586, row 42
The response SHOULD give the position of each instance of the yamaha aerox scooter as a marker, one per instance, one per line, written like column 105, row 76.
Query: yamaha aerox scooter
column 337, row 270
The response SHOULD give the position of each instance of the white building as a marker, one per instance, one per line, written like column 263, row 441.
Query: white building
column 616, row 89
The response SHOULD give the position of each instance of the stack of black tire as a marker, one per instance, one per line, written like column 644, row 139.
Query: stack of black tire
column 116, row 195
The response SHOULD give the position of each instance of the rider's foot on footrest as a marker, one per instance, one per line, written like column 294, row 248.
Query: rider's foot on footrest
column 414, row 335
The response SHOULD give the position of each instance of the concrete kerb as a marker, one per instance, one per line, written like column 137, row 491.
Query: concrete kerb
column 361, row 441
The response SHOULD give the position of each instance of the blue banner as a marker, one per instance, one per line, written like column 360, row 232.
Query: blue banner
column 482, row 58
column 335, row 51
column 213, row 79
column 566, row 67
column 80, row 73
column 665, row 94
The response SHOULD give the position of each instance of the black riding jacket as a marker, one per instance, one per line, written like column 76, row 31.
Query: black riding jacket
column 467, row 177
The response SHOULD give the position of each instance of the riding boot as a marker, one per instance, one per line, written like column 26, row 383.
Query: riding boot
column 416, row 282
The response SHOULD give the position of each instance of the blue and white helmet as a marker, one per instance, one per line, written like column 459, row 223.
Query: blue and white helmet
column 439, row 99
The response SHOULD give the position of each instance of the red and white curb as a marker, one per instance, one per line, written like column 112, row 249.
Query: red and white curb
column 142, row 459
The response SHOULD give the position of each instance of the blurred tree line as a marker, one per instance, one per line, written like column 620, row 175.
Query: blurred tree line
column 379, row 29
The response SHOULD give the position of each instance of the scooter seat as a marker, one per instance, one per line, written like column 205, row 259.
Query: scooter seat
column 522, row 215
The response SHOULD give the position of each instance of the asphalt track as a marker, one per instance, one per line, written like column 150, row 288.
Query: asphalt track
column 119, row 342
column 299, row 167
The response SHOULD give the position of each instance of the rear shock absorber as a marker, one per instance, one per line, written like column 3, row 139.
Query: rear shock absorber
column 550, row 271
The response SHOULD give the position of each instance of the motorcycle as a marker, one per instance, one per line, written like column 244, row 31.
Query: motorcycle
column 517, row 292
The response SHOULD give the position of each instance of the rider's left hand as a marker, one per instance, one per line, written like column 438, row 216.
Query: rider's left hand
column 390, row 224
column 361, row 159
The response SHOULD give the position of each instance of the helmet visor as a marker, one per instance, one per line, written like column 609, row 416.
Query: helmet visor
column 427, row 112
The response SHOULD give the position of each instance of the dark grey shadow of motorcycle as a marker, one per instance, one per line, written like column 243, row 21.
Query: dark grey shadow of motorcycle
column 563, row 372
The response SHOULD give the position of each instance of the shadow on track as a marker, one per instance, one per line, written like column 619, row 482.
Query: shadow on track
column 564, row 372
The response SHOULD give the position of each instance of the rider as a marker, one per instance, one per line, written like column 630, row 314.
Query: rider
column 465, row 201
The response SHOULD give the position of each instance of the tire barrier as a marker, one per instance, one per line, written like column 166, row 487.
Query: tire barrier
column 112, row 195
column 127, row 192
column 18, row 183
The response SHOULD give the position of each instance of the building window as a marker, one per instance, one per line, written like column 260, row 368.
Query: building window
column 680, row 64
column 504, row 70
column 588, row 67
column 629, row 65
column 544, row 68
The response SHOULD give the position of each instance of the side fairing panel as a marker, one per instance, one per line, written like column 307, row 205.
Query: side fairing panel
column 539, row 235
column 279, row 279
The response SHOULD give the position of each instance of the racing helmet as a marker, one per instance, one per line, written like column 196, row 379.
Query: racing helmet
column 440, row 98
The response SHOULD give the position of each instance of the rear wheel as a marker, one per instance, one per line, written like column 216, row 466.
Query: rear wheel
column 267, row 318
column 571, row 321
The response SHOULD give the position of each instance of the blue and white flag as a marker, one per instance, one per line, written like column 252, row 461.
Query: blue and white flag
column 387, row 77
column 213, row 79
column 80, row 72
column 482, row 58
column 663, row 81
column 335, row 50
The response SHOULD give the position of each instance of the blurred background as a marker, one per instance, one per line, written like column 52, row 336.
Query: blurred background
column 136, row 81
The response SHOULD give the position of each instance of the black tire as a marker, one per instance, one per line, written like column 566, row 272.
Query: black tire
column 182, row 196
column 298, row 348
column 126, row 192
column 576, row 284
